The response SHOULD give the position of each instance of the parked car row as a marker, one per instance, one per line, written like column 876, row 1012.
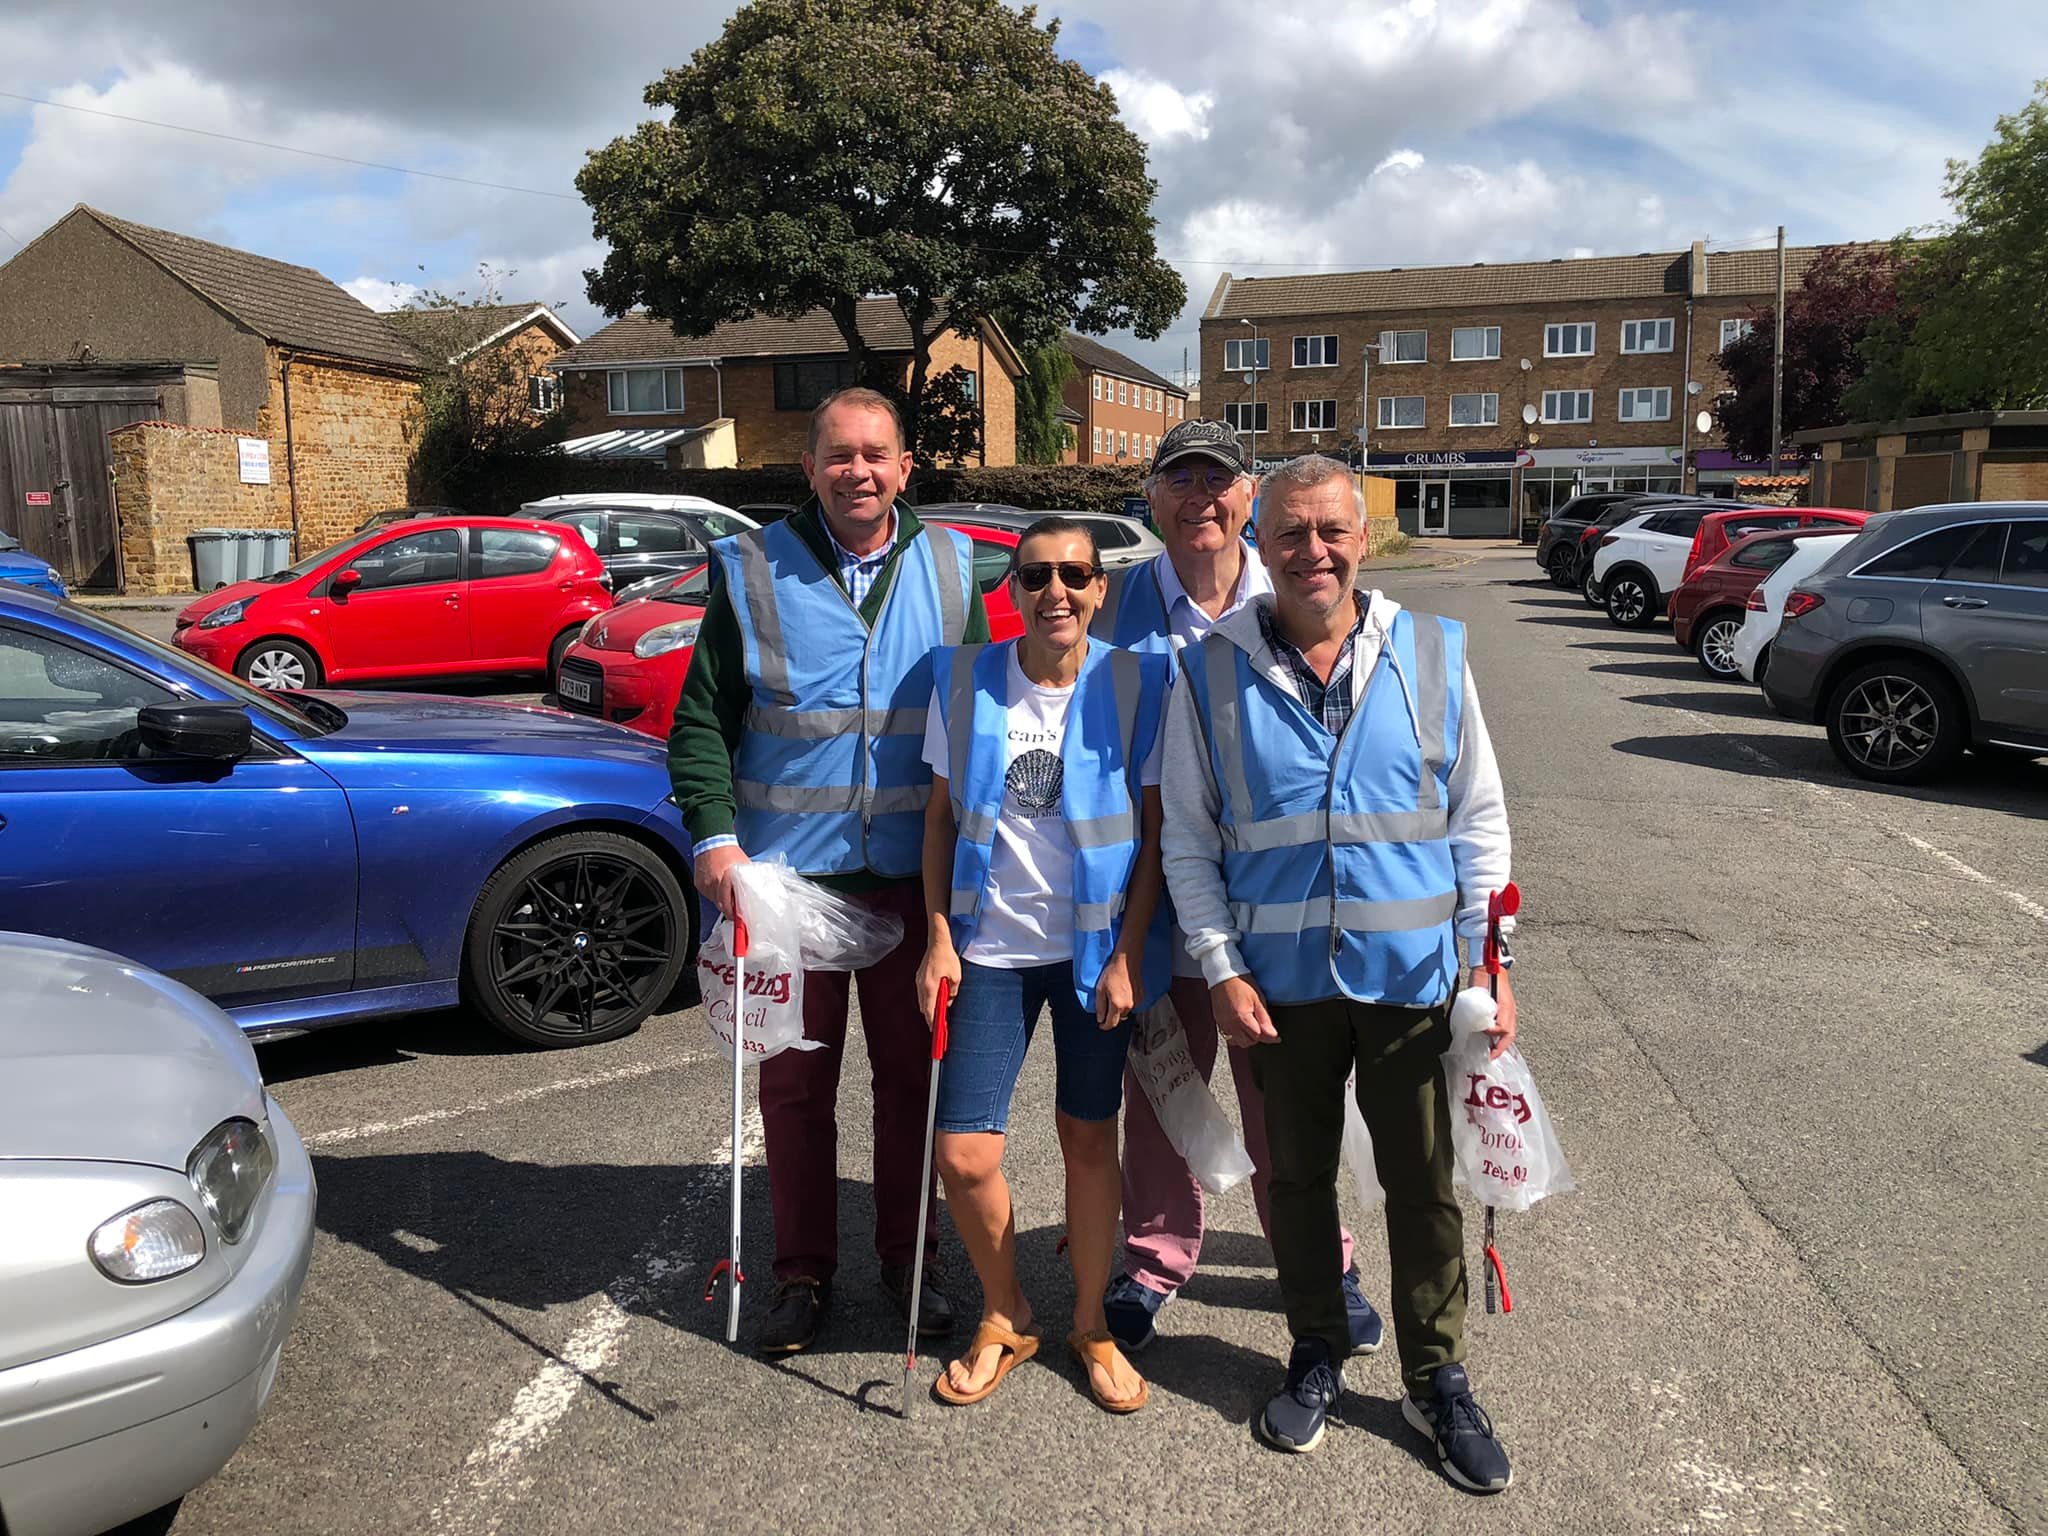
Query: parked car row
column 1910, row 636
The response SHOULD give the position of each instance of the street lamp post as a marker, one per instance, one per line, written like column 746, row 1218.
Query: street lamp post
column 1365, row 351
column 1252, row 429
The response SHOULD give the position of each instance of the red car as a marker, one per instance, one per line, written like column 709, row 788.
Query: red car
column 431, row 597
column 1719, row 530
column 1707, row 608
column 628, row 665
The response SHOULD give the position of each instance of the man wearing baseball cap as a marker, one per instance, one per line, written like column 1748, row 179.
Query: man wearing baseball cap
column 1200, row 493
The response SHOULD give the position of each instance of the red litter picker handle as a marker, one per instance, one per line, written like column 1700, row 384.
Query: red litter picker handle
column 739, row 934
column 939, row 1020
column 1505, row 902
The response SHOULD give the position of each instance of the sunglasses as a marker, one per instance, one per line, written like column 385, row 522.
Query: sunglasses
column 1037, row 575
column 1214, row 481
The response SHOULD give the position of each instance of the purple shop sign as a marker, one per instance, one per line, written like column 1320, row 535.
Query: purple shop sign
column 1721, row 459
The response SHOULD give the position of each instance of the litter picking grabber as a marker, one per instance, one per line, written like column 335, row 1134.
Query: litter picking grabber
column 924, row 1189
column 730, row 1265
column 1505, row 902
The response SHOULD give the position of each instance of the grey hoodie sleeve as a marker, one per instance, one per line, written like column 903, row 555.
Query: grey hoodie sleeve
column 1480, row 848
column 1190, row 845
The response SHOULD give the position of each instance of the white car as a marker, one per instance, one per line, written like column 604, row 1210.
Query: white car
column 1639, row 564
column 1766, row 610
column 158, row 1212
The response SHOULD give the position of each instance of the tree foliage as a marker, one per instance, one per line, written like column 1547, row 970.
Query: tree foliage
column 1041, row 435
column 1827, row 316
column 937, row 151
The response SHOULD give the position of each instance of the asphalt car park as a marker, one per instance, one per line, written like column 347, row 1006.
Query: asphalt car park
column 1785, row 1019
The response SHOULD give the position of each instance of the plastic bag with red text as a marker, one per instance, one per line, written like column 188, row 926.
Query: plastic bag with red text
column 1506, row 1149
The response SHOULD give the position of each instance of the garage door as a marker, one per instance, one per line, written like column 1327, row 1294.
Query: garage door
column 56, row 492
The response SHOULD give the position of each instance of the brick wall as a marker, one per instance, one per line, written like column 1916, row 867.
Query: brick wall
column 1145, row 411
column 2013, row 477
column 170, row 481
column 353, row 433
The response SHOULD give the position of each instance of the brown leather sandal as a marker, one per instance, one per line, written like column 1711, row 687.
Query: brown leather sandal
column 1098, row 1348
column 1016, row 1347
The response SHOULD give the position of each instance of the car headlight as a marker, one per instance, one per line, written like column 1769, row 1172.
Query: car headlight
column 590, row 631
column 228, row 1171
column 153, row 1241
column 226, row 614
column 663, row 638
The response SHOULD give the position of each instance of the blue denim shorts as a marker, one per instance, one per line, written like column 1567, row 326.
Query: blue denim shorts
column 989, row 1029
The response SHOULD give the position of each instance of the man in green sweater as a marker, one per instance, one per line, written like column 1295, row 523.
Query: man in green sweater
column 799, row 732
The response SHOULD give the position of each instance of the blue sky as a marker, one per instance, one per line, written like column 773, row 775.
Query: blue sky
column 1283, row 136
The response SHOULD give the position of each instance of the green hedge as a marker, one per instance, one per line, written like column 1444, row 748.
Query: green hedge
column 505, row 482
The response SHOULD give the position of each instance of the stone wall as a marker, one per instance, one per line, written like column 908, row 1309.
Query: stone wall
column 170, row 481
column 2013, row 477
column 353, row 433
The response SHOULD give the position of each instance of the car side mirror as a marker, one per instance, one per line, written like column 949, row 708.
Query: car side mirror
column 345, row 582
column 203, row 729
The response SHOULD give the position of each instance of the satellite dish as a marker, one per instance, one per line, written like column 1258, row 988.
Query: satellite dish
column 1704, row 422
column 1692, row 386
column 1527, row 365
column 1529, row 415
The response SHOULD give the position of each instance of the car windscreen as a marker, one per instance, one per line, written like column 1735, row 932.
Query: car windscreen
column 716, row 525
column 9, row 542
column 307, row 716
column 310, row 563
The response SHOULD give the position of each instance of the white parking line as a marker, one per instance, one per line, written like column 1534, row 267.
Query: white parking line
column 521, row 1096
column 491, row 1475
column 1968, row 871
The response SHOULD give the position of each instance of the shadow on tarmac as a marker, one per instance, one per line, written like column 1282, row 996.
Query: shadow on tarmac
column 381, row 1042
column 1988, row 781
column 1677, row 669
column 1626, row 647
column 1748, row 705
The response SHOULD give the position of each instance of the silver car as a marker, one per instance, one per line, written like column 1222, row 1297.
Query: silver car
column 158, row 1212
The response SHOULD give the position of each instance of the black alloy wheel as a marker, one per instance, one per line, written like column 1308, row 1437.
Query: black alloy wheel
column 1561, row 567
column 1896, row 722
column 1631, row 600
column 1714, row 644
column 577, row 940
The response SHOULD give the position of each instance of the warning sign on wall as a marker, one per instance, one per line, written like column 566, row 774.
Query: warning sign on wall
column 39, row 498
column 254, row 455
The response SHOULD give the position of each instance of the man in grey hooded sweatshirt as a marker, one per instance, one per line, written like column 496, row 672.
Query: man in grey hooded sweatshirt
column 1334, row 824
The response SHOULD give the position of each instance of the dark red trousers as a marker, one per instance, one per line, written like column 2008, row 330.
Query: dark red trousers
column 800, row 1099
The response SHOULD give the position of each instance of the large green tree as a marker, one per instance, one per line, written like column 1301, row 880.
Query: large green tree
column 937, row 151
column 1041, row 435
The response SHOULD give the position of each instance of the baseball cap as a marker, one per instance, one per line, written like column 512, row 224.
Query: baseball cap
column 1206, row 439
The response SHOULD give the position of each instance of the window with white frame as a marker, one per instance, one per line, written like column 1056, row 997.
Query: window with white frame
column 1096, row 379
column 644, row 391
column 1475, row 343
column 543, row 392
column 1315, row 416
column 1123, row 442
column 1241, row 416
column 1646, row 335
column 1574, row 339
column 1398, row 412
column 1243, row 354
column 1123, row 392
column 1095, row 440
column 1475, row 410
column 1646, row 404
column 1565, row 405
column 1733, row 331
column 1404, row 346
column 1315, row 351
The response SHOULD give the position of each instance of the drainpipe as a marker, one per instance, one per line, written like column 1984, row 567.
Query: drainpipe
column 291, row 474
column 1685, row 411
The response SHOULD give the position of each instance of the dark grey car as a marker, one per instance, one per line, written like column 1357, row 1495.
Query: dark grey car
column 1926, row 634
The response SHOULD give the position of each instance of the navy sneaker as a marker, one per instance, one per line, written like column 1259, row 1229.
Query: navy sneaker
column 1293, row 1421
column 1129, row 1306
column 1471, row 1455
column 1367, row 1331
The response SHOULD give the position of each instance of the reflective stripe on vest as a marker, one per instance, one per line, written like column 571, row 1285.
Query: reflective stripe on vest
column 1117, row 712
column 1336, row 851
column 829, row 771
column 1133, row 615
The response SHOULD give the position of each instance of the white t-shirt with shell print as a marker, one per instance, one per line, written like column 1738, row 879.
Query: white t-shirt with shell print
column 1027, row 916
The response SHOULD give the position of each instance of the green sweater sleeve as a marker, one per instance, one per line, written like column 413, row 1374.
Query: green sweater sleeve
column 709, row 717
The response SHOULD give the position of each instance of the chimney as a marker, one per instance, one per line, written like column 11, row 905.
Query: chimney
column 1696, row 283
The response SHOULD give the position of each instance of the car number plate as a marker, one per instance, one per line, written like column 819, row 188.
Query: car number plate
column 575, row 688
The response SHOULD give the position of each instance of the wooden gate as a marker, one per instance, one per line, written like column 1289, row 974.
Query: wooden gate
column 56, row 482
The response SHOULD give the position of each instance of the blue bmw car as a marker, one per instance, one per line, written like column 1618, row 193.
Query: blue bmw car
column 24, row 569
column 307, row 858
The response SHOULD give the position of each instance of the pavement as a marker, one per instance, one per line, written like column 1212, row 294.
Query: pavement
column 1786, row 1023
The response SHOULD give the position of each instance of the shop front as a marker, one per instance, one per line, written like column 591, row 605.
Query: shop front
column 1452, row 493
column 1550, row 477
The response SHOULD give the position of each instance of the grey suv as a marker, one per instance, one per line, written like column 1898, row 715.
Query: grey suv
column 1926, row 634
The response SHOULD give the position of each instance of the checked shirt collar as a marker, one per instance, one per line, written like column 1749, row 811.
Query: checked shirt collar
column 1331, row 702
column 859, row 571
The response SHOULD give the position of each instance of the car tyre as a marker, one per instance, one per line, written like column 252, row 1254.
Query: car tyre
column 1897, row 722
column 1560, row 567
column 1763, row 665
column 577, row 940
column 1631, row 599
column 1589, row 586
column 278, row 665
column 1713, row 643
column 556, row 651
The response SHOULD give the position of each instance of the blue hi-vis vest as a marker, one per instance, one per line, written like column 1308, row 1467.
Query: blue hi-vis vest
column 1118, row 710
column 1336, row 850
column 830, row 771
column 1133, row 614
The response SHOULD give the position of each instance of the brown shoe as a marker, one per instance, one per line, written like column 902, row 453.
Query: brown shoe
column 793, row 1319
column 1098, row 1348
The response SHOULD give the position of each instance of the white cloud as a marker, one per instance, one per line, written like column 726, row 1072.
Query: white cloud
column 1158, row 112
column 1403, row 160
column 381, row 293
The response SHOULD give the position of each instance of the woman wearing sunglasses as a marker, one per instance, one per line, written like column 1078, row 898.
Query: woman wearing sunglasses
column 1042, row 883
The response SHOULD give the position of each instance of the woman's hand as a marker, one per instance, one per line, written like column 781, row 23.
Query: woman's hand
column 941, row 963
column 1114, row 996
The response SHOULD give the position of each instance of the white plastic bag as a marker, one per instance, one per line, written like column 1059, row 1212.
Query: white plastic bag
column 1358, row 1149
column 1187, row 1111
column 793, row 926
column 1507, row 1151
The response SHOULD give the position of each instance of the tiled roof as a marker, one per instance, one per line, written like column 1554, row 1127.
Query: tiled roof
column 446, row 334
column 292, row 306
column 1092, row 354
column 1655, row 274
column 637, row 337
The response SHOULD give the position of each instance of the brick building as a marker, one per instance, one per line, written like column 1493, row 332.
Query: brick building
column 321, row 379
column 1496, row 391
column 767, row 375
column 1123, row 406
column 507, row 347
column 1888, row 466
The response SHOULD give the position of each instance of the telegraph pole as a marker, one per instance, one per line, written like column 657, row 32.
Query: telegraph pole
column 1778, row 357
